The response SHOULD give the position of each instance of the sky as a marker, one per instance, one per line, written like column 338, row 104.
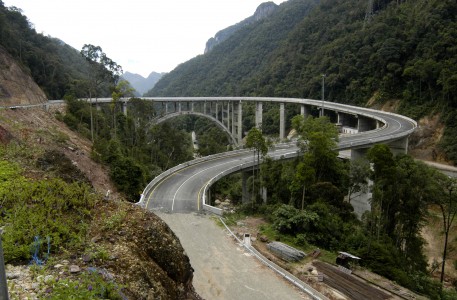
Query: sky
column 140, row 35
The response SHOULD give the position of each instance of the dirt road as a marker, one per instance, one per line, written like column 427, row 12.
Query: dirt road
column 223, row 270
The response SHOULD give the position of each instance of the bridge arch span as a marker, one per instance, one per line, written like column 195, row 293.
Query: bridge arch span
column 184, row 113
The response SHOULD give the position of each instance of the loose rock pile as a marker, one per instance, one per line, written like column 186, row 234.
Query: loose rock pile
column 25, row 282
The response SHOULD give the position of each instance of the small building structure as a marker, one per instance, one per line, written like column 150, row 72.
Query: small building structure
column 345, row 259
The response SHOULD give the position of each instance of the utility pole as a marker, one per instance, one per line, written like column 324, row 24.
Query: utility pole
column 3, row 282
column 323, row 94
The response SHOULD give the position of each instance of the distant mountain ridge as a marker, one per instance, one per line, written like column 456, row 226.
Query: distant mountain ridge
column 264, row 10
column 141, row 84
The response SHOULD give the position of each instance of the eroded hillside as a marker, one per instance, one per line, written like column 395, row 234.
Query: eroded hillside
column 16, row 86
column 123, row 250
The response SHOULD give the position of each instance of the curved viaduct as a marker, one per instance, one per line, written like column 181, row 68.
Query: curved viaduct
column 186, row 187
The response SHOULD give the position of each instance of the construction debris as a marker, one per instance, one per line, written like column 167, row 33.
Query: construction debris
column 285, row 252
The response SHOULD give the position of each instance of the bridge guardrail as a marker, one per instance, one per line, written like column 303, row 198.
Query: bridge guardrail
column 226, row 172
column 179, row 167
column 288, row 276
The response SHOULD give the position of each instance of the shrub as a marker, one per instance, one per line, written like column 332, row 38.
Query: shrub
column 90, row 285
column 44, row 208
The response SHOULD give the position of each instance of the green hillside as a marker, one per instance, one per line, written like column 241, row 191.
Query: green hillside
column 55, row 66
column 399, row 50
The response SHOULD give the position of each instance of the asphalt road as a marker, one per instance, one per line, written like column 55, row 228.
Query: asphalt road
column 181, row 191
column 222, row 268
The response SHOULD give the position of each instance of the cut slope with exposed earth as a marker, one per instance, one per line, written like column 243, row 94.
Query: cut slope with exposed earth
column 132, row 250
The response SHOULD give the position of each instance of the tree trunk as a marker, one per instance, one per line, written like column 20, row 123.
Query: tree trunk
column 444, row 255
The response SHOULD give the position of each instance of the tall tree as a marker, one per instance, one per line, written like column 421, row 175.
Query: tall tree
column 447, row 203
column 318, row 138
column 359, row 172
column 256, row 141
column 122, row 89
column 102, row 70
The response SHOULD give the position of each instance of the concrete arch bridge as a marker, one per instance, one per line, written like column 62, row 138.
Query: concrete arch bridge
column 227, row 113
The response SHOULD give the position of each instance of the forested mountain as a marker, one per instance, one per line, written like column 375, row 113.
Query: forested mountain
column 263, row 11
column 141, row 84
column 394, row 50
column 55, row 66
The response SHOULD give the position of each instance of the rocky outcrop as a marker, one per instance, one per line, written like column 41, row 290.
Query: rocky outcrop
column 16, row 86
column 263, row 11
column 148, row 256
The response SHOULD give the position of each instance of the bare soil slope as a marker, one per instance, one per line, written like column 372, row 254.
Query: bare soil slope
column 16, row 86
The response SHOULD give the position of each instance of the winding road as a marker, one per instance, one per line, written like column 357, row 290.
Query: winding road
column 221, row 270
column 182, row 189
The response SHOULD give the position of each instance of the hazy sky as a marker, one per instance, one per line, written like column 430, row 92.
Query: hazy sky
column 140, row 35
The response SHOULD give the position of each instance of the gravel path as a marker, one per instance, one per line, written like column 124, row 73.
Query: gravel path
column 223, row 270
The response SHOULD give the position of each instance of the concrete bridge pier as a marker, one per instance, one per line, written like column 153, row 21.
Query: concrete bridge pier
column 358, row 153
column 124, row 108
column 399, row 146
column 305, row 111
column 282, row 121
column 365, row 124
column 343, row 119
column 263, row 194
column 258, row 114
column 239, row 122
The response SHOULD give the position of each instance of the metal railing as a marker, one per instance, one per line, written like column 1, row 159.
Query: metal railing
column 285, row 274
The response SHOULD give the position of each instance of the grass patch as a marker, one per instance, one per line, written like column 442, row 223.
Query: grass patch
column 90, row 285
column 42, row 216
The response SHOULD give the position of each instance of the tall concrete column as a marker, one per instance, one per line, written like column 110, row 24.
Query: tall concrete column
column 282, row 121
column 231, row 114
column 240, row 123
column 364, row 124
column 258, row 114
column 304, row 110
column 204, row 108
column 263, row 194
column 341, row 118
column 166, row 107
column 224, row 114
column 399, row 146
column 124, row 108
column 192, row 106
column 217, row 112
column 358, row 153
column 179, row 106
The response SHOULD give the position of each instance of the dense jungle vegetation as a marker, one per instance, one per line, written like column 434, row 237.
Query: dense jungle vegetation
column 135, row 149
column 308, row 206
column 56, row 67
column 405, row 50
